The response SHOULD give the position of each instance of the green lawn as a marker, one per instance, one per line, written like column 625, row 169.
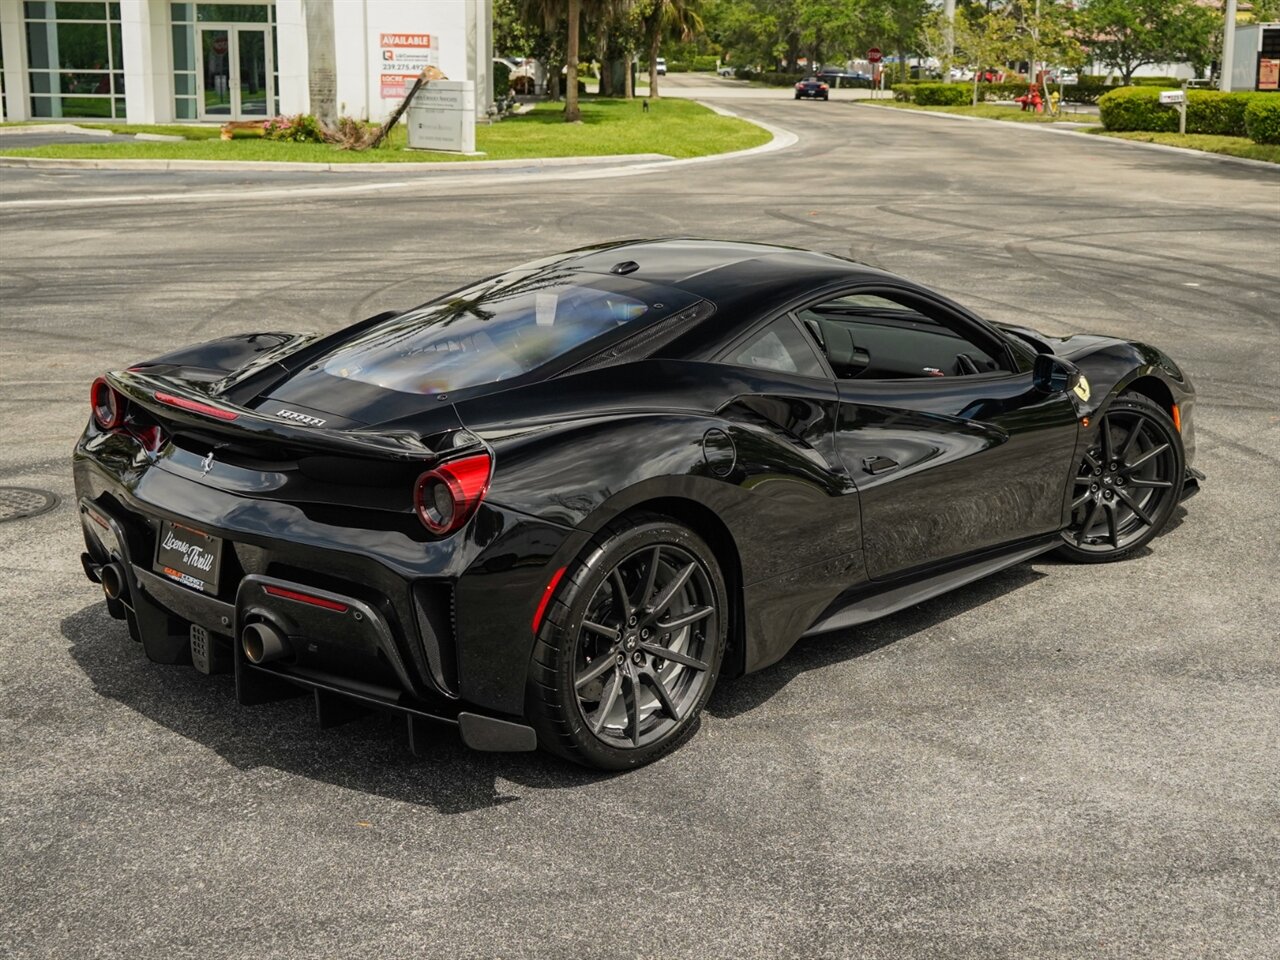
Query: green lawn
column 1231, row 146
column 678, row 128
column 992, row 111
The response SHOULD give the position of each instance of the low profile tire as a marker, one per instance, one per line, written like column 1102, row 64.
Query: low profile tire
column 825, row 99
column 630, row 647
column 797, row 96
column 1127, row 485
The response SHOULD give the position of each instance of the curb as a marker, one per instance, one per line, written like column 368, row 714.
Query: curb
column 425, row 167
column 1096, row 138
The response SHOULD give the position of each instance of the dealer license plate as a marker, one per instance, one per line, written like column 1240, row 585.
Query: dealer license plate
column 189, row 556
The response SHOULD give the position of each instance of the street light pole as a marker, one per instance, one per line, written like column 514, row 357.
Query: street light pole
column 1228, row 45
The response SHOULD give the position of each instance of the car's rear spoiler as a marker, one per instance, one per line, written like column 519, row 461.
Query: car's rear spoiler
column 176, row 402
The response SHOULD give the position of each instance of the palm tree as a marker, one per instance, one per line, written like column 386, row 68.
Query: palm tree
column 571, row 112
column 666, row 18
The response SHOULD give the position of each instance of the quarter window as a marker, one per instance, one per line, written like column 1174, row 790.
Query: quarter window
column 781, row 347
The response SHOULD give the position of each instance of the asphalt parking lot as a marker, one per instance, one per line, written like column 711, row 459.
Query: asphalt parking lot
column 1058, row 761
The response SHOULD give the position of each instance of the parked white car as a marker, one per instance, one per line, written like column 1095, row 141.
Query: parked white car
column 662, row 66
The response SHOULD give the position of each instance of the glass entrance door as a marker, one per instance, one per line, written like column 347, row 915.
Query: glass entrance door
column 235, row 73
column 252, row 71
column 215, row 51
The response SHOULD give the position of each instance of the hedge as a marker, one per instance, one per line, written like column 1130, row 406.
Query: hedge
column 1088, row 90
column 770, row 77
column 1208, row 111
column 1262, row 118
column 941, row 94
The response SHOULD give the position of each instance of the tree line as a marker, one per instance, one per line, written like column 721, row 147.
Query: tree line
column 790, row 35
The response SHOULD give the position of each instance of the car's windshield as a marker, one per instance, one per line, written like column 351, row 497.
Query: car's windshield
column 498, row 330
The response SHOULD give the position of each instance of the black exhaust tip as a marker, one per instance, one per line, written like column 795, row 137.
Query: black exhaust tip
column 111, row 576
column 263, row 643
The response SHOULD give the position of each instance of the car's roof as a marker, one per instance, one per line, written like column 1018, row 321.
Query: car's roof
column 729, row 273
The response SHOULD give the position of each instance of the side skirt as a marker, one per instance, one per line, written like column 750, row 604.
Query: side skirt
column 869, row 603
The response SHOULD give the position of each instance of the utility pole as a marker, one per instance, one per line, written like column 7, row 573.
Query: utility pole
column 1228, row 45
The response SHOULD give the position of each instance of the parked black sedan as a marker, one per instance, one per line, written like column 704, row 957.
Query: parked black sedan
column 813, row 88
column 556, row 506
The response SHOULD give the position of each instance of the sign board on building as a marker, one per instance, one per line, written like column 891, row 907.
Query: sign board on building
column 1171, row 98
column 1268, row 73
column 443, row 117
column 403, row 56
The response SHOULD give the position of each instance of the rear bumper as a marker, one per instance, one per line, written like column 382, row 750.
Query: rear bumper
column 388, row 637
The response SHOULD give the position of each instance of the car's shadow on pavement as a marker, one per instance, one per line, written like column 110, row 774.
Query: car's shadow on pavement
column 370, row 754
column 740, row 695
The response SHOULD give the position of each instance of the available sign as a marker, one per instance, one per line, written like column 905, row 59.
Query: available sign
column 1172, row 97
column 1268, row 73
column 404, row 56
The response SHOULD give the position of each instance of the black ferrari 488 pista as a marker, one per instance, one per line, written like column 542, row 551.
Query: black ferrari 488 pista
column 556, row 506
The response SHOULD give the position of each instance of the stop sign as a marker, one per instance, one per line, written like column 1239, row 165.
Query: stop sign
column 873, row 55
column 219, row 45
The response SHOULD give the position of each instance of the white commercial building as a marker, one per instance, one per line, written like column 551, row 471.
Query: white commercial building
column 157, row 61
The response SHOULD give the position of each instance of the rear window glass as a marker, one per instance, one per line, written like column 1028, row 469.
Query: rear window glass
column 500, row 330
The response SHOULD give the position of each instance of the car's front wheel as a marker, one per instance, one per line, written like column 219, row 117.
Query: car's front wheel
column 1128, row 483
column 630, row 647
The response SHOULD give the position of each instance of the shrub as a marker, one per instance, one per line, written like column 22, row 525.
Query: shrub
column 940, row 94
column 1208, row 111
column 1212, row 111
column 677, row 66
column 1132, row 108
column 501, row 79
column 301, row 128
column 1262, row 118
column 703, row 63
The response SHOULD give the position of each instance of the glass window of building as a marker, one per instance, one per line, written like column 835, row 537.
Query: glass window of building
column 75, row 59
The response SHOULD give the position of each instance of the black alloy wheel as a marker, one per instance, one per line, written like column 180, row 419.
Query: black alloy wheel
column 631, row 647
column 1128, row 483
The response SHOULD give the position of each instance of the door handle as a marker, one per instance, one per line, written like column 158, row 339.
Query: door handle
column 874, row 465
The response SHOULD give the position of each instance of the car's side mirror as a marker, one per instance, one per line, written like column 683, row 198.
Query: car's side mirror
column 1052, row 374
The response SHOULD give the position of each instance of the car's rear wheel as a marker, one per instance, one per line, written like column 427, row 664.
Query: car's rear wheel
column 630, row 647
column 1128, row 483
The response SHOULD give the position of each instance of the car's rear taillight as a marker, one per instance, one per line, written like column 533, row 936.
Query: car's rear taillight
column 195, row 406
column 799, row 86
column 107, row 405
column 823, row 86
column 446, row 497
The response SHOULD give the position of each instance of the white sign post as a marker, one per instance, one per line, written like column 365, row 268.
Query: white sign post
column 1178, row 99
column 442, row 116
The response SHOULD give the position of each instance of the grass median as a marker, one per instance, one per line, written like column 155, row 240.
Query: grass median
column 993, row 111
column 677, row 128
column 1208, row 143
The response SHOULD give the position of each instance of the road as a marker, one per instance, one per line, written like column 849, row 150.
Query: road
column 1058, row 761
